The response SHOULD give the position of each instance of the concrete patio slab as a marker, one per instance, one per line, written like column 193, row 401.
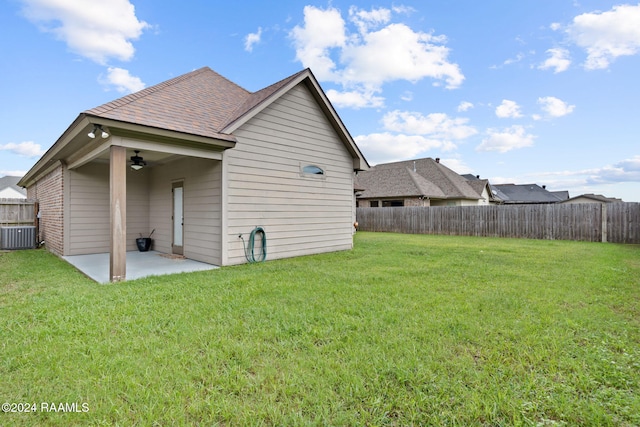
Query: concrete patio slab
column 139, row 265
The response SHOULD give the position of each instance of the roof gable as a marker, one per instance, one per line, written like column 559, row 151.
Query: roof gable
column 256, row 98
column 200, row 107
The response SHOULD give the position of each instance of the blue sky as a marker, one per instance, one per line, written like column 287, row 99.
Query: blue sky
column 527, row 91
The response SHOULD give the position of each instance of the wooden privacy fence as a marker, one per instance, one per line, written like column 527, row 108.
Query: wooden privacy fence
column 592, row 222
column 16, row 212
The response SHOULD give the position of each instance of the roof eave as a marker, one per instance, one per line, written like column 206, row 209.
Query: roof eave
column 52, row 157
column 48, row 158
column 121, row 128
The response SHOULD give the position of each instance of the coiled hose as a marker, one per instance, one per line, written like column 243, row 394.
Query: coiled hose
column 249, row 250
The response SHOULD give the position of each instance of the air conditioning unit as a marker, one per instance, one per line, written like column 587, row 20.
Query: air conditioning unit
column 21, row 237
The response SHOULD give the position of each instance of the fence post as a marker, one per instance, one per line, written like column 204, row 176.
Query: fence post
column 604, row 222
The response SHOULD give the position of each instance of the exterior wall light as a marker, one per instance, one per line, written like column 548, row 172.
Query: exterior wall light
column 97, row 128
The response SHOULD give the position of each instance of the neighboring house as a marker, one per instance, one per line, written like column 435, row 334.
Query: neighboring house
column 518, row 194
column 562, row 195
column 9, row 188
column 201, row 160
column 592, row 198
column 420, row 182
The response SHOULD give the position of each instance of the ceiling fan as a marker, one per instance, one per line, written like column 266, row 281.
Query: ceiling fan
column 137, row 162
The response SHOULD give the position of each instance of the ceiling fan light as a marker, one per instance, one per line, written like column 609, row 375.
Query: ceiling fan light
column 137, row 162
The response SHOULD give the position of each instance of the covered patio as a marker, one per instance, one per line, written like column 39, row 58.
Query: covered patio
column 139, row 265
column 116, row 195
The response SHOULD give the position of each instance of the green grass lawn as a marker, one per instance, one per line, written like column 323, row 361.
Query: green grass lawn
column 403, row 330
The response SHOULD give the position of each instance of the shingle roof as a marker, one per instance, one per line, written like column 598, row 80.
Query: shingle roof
column 524, row 193
column 12, row 182
column 201, row 102
column 415, row 178
column 257, row 97
column 562, row 194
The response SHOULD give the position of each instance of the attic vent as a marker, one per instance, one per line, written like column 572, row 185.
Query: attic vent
column 312, row 170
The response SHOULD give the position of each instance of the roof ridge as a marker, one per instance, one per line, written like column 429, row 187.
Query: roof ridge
column 412, row 175
column 456, row 180
column 431, row 189
column 132, row 97
column 256, row 98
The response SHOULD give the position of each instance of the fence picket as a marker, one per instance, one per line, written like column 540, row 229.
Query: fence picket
column 583, row 221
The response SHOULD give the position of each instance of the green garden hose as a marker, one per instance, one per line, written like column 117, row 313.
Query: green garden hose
column 249, row 251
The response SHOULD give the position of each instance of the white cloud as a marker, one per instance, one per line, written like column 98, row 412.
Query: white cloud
column 19, row 173
column 322, row 31
column 505, row 140
column 435, row 125
column 457, row 165
column 98, row 31
column 558, row 60
column 407, row 96
column 607, row 35
column 375, row 52
column 387, row 147
column 508, row 110
column 627, row 170
column 122, row 80
column 27, row 148
column 396, row 52
column 555, row 107
column 366, row 20
column 354, row 99
column 465, row 106
column 519, row 57
column 410, row 134
column 252, row 39
column 407, row 10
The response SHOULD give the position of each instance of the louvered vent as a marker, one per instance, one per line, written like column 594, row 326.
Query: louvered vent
column 22, row 237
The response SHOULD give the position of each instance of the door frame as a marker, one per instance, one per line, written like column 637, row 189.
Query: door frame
column 177, row 249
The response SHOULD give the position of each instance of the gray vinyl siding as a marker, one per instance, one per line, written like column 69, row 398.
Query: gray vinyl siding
column 202, row 208
column 265, row 187
column 137, row 206
column 88, row 211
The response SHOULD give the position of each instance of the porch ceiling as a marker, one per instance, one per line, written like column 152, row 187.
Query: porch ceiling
column 152, row 158
column 154, row 151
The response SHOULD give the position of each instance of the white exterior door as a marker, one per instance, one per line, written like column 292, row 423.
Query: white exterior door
column 178, row 218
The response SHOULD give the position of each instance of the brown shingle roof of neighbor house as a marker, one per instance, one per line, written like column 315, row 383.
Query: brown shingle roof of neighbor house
column 415, row 178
